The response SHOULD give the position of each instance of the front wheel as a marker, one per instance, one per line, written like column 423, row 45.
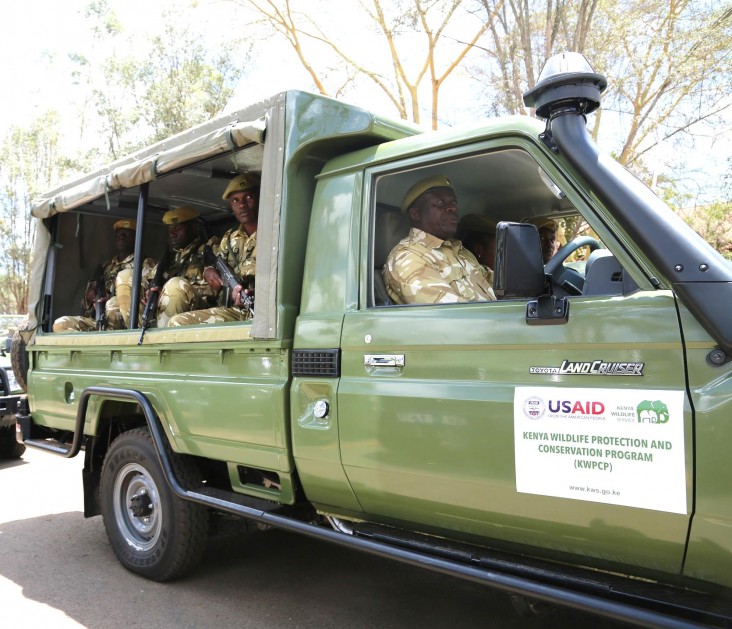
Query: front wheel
column 152, row 531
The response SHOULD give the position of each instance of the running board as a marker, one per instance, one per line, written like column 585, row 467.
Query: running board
column 41, row 438
column 675, row 602
column 49, row 445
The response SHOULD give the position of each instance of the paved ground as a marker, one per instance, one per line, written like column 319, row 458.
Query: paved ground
column 57, row 570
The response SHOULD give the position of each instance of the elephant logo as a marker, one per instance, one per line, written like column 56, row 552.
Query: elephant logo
column 655, row 412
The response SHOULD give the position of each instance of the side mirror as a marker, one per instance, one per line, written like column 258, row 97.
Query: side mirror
column 519, row 271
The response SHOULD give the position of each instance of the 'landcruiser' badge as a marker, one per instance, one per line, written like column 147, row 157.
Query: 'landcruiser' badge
column 591, row 368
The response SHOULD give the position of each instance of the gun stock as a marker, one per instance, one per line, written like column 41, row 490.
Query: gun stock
column 151, row 307
column 100, row 293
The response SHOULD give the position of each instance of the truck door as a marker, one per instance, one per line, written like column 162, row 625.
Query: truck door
column 463, row 420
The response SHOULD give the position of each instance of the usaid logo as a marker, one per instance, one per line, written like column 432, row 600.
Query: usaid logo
column 534, row 407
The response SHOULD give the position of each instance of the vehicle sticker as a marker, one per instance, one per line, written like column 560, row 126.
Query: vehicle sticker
column 616, row 446
column 591, row 368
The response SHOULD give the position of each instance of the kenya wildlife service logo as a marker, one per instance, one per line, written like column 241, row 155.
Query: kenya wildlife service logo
column 655, row 412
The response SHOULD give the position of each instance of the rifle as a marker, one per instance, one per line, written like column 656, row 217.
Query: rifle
column 100, row 315
column 150, row 313
column 230, row 279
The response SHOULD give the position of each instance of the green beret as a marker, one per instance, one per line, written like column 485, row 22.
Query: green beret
column 419, row 188
column 125, row 223
column 241, row 182
column 181, row 214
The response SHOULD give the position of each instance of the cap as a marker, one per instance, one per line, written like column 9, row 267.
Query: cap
column 475, row 224
column 419, row 188
column 549, row 223
column 125, row 223
column 241, row 182
column 181, row 214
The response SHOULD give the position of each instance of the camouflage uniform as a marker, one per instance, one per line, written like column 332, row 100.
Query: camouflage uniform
column 117, row 307
column 239, row 251
column 186, row 289
column 427, row 270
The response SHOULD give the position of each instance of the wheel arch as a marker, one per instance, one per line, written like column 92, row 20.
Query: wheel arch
column 112, row 412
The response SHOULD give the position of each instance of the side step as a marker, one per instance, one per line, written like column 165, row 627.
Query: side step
column 210, row 495
column 696, row 607
column 49, row 445
column 41, row 438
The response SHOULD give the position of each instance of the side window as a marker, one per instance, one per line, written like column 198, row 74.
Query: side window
column 89, row 285
column 505, row 185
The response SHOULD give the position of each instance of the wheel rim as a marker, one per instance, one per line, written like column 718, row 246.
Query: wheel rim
column 137, row 509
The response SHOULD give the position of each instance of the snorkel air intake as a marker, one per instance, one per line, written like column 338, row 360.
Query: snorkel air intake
column 567, row 90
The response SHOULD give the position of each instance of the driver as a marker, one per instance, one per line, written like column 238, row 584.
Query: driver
column 430, row 266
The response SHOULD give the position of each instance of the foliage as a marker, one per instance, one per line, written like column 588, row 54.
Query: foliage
column 415, row 46
column 169, row 82
column 522, row 36
column 714, row 224
column 29, row 160
column 668, row 62
column 165, row 85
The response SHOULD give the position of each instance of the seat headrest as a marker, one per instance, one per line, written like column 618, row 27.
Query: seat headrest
column 391, row 226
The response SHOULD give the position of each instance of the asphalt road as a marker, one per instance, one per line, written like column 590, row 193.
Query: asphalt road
column 57, row 570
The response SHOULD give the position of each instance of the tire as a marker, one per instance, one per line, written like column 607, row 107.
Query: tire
column 19, row 357
column 167, row 536
column 9, row 447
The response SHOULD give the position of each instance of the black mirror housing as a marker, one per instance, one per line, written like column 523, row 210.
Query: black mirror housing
column 519, row 271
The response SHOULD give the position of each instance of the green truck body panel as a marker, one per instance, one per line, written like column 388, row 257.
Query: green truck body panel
column 434, row 441
column 245, row 418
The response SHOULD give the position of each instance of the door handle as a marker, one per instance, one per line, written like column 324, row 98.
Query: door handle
column 383, row 360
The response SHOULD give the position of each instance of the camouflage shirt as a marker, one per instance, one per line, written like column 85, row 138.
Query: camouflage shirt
column 189, row 264
column 423, row 269
column 110, row 270
column 239, row 251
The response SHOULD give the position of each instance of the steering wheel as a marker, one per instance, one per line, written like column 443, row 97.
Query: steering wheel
column 560, row 256
column 555, row 266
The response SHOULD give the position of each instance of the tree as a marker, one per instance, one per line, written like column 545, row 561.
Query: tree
column 713, row 222
column 174, row 80
column 668, row 62
column 523, row 34
column 414, row 47
column 170, row 81
column 29, row 160
column 671, row 67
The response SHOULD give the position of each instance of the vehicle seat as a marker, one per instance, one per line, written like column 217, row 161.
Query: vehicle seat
column 390, row 227
column 605, row 276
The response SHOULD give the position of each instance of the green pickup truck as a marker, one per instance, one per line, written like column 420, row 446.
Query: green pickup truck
column 565, row 443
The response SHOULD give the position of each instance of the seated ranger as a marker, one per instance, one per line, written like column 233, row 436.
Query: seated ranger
column 185, row 288
column 103, row 308
column 429, row 266
column 238, row 249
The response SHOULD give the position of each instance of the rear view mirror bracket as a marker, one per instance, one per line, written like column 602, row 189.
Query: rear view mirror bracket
column 547, row 310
